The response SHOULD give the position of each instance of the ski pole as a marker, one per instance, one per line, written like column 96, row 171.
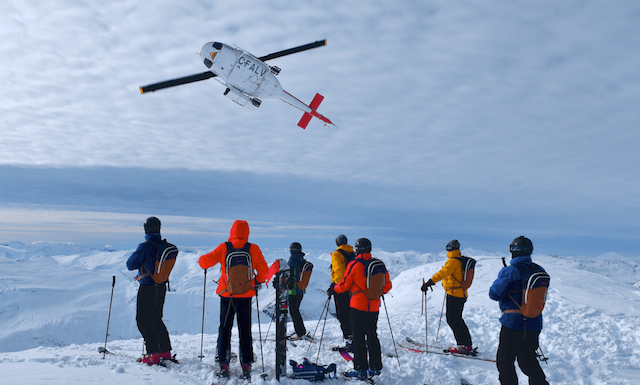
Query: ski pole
column 204, row 298
column 259, row 329
column 321, row 335
column 326, row 306
column 268, row 329
column 392, row 339
column 439, row 322
column 426, row 335
column 106, row 337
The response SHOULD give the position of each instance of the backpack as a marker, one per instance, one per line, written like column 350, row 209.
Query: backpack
column 239, row 269
column 348, row 256
column 311, row 372
column 468, row 270
column 375, row 275
column 305, row 275
column 535, row 284
column 166, row 254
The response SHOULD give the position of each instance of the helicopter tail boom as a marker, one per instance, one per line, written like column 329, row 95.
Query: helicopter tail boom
column 309, row 111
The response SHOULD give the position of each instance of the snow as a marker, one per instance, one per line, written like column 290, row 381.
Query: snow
column 54, row 304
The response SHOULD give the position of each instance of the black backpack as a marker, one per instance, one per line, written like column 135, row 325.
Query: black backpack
column 310, row 371
column 348, row 256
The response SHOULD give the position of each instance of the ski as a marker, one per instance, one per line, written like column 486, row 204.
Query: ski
column 416, row 347
column 164, row 363
column 345, row 355
column 350, row 377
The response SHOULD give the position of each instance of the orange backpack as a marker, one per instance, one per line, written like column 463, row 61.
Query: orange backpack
column 239, row 269
column 468, row 271
column 535, row 285
column 166, row 255
column 305, row 275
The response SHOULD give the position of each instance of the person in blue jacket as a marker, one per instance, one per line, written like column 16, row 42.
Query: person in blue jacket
column 151, row 297
column 518, row 339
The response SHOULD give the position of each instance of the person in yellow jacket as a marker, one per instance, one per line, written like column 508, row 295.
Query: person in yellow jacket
column 339, row 260
column 456, row 296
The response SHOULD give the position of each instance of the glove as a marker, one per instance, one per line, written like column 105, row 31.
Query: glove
column 257, row 285
column 427, row 285
column 290, row 284
column 330, row 290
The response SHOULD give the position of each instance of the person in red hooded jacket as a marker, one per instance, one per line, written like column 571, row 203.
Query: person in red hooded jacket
column 236, row 305
column 364, row 313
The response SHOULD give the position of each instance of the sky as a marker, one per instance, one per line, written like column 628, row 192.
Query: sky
column 479, row 121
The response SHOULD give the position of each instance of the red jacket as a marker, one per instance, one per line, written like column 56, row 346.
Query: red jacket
column 238, row 238
column 355, row 282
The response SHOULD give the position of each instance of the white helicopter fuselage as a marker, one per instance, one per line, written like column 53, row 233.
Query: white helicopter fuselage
column 241, row 72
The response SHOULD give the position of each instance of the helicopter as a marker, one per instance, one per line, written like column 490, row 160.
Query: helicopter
column 247, row 78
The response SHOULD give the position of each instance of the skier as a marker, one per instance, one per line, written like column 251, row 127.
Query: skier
column 151, row 295
column 296, row 264
column 515, row 340
column 233, row 304
column 456, row 296
column 339, row 260
column 367, row 360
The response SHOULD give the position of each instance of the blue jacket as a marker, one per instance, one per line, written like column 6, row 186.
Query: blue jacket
column 296, row 262
column 145, row 255
column 508, row 279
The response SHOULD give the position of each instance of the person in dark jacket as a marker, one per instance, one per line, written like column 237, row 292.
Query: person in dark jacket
column 296, row 263
column 151, row 296
column 517, row 339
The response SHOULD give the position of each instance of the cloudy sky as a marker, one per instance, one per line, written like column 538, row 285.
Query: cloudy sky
column 479, row 120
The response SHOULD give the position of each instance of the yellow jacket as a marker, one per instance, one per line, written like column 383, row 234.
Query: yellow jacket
column 339, row 263
column 451, row 275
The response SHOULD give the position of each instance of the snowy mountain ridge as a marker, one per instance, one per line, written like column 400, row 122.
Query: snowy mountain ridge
column 54, row 301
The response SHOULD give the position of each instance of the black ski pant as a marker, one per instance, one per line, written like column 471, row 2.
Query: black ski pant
column 518, row 344
column 455, row 306
column 240, row 309
column 294, row 310
column 343, row 312
column 365, row 340
column 149, row 311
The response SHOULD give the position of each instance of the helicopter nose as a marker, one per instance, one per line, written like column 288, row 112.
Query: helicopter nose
column 209, row 52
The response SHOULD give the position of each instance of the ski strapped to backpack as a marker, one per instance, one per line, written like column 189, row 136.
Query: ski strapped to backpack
column 310, row 371
column 305, row 275
column 375, row 275
column 468, row 271
column 166, row 255
column 239, row 269
column 535, row 285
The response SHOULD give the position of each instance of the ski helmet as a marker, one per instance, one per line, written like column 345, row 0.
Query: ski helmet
column 453, row 245
column 363, row 245
column 295, row 248
column 521, row 246
column 152, row 225
column 341, row 240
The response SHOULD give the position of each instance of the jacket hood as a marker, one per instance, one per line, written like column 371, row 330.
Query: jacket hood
column 239, row 230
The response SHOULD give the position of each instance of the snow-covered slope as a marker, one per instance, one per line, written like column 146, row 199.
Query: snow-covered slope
column 54, row 302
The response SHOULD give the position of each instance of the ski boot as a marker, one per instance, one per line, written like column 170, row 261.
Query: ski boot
column 151, row 359
column 461, row 349
column 246, row 371
column 223, row 371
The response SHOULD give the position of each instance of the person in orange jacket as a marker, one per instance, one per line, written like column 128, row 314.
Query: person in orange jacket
column 367, row 359
column 456, row 296
column 236, row 305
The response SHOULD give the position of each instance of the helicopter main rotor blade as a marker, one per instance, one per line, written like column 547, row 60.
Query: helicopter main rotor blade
column 177, row 82
column 289, row 51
